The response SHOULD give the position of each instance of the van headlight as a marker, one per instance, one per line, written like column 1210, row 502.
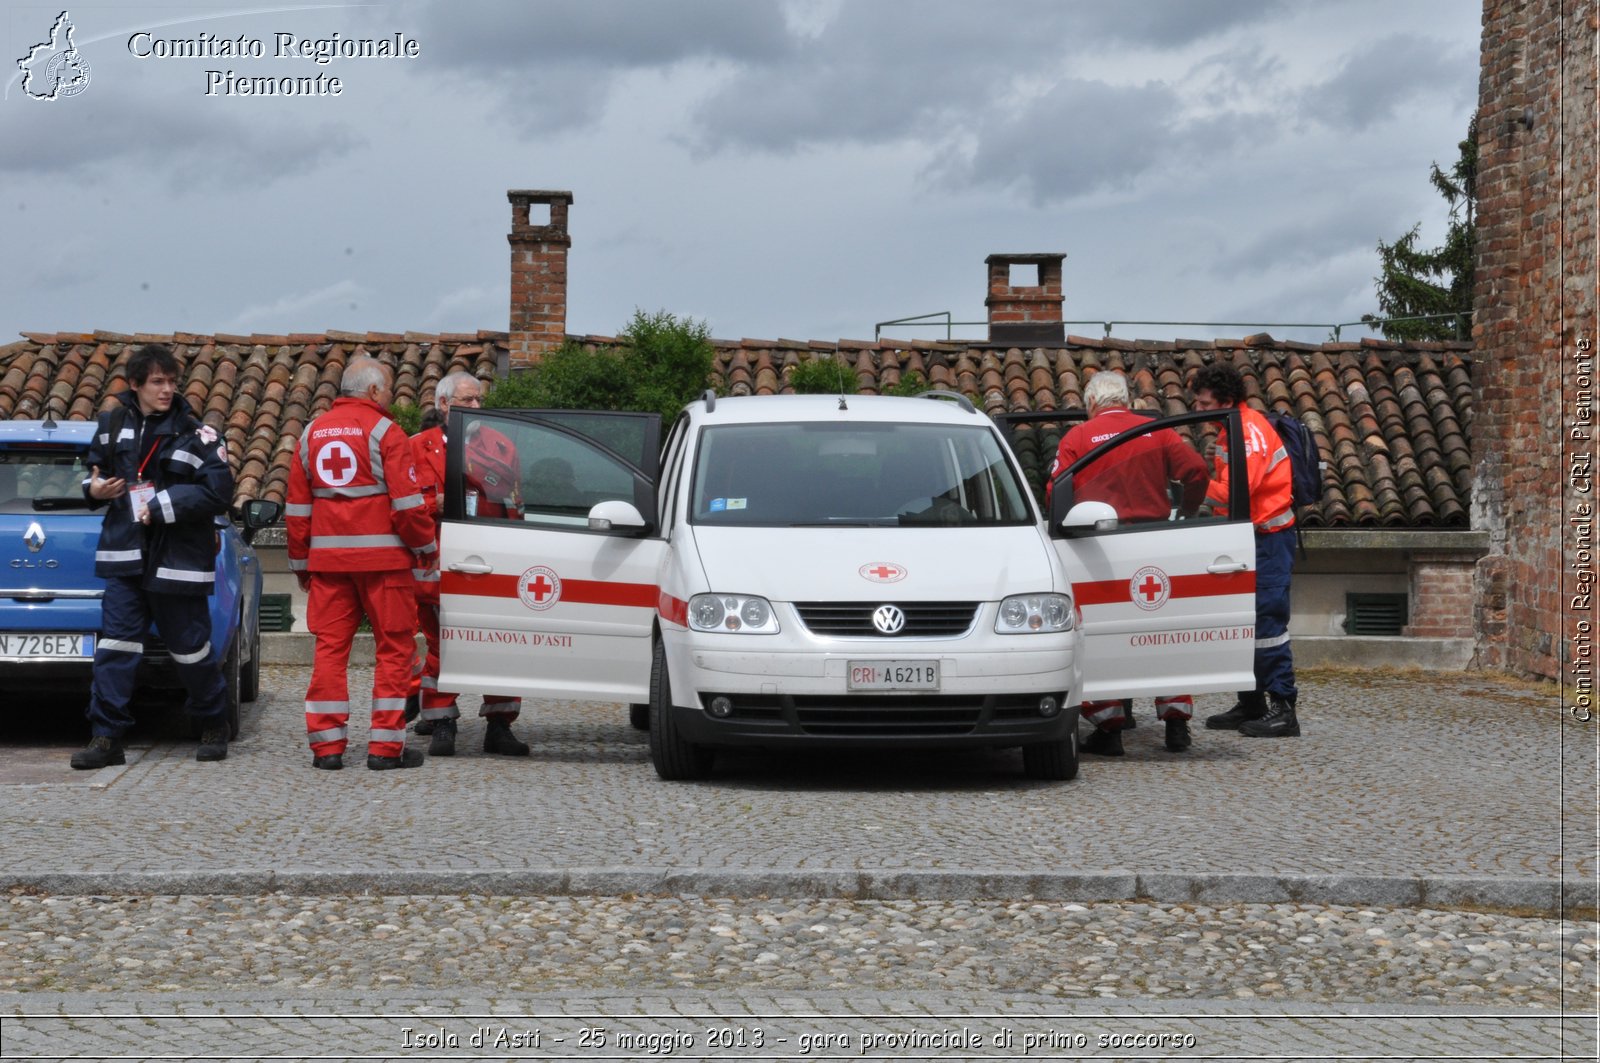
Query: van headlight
column 1029, row 614
column 744, row 614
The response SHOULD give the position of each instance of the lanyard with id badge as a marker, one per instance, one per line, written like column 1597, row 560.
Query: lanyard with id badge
column 141, row 492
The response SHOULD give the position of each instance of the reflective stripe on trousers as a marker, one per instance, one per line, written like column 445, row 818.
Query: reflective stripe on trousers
column 184, row 623
column 441, row 704
column 1274, row 660
column 336, row 604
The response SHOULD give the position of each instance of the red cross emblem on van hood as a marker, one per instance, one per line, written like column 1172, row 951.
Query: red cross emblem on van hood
column 882, row 572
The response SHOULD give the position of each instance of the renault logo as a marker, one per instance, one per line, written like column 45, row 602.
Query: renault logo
column 34, row 537
column 889, row 619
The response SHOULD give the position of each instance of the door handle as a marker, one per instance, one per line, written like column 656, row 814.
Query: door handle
column 1222, row 568
column 477, row 568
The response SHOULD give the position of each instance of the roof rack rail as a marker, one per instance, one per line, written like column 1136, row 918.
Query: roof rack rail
column 961, row 400
column 710, row 398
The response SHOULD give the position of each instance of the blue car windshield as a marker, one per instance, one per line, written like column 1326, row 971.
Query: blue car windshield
column 41, row 472
column 855, row 474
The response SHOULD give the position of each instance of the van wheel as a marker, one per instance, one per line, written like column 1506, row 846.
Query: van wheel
column 675, row 757
column 1055, row 761
column 639, row 717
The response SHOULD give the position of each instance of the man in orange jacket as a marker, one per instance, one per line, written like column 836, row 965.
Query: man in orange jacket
column 440, row 712
column 357, row 527
column 1268, row 711
column 1134, row 479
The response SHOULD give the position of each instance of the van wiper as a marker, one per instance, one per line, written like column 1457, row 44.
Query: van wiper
column 44, row 502
column 843, row 522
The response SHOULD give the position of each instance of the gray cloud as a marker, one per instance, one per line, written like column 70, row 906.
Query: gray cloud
column 196, row 147
column 1372, row 85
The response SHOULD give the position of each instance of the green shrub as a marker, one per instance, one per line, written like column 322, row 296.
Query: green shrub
column 910, row 384
column 661, row 365
column 823, row 376
column 408, row 416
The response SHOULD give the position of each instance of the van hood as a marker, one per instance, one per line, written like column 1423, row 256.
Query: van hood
column 876, row 564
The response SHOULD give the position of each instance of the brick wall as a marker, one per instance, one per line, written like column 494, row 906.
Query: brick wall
column 1535, row 304
column 1025, row 313
column 1441, row 596
column 538, row 272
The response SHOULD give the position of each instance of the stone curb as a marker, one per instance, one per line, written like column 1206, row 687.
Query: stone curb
column 1542, row 897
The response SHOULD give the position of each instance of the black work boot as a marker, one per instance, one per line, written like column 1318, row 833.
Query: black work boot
column 497, row 738
column 1279, row 722
column 1103, row 743
column 408, row 758
column 98, row 753
column 423, row 727
column 443, row 743
column 1252, row 705
column 1178, row 738
column 328, row 762
column 213, row 743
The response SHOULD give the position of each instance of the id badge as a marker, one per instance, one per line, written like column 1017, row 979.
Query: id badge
column 140, row 495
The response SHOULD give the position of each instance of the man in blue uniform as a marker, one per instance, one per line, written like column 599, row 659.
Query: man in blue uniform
column 164, row 478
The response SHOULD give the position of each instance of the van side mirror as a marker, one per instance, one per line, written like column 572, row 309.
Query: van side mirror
column 616, row 515
column 1087, row 518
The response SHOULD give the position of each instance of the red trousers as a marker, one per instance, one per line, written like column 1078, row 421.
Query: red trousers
column 338, row 600
column 1107, row 715
column 439, row 704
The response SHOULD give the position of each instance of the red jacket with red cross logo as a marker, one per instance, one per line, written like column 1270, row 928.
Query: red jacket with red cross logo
column 427, row 450
column 354, row 504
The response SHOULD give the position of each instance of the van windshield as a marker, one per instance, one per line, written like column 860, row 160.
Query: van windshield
column 873, row 474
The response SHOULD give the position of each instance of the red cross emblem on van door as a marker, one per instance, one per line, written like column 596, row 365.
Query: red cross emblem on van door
column 539, row 588
column 1150, row 588
column 882, row 572
column 336, row 464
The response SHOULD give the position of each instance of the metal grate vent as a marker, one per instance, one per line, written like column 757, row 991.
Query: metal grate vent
column 276, row 614
column 1375, row 614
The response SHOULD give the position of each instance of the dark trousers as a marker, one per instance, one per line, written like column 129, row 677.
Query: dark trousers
column 184, row 623
column 1274, row 663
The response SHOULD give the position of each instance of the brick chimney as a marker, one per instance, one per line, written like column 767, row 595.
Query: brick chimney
column 539, row 243
column 1026, row 314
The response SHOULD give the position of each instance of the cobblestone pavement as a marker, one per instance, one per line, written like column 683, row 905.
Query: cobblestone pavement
column 1253, row 899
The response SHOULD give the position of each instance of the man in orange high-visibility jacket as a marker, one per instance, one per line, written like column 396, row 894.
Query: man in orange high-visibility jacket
column 1135, row 479
column 439, row 711
column 1268, row 711
column 357, row 527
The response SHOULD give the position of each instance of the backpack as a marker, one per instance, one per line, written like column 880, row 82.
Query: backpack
column 1305, row 465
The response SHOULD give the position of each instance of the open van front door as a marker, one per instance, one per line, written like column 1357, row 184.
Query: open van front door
column 1167, row 605
column 549, row 554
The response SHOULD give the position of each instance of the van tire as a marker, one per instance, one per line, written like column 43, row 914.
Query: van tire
column 675, row 757
column 1052, row 761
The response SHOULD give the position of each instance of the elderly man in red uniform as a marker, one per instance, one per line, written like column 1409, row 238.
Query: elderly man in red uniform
column 440, row 713
column 357, row 527
column 1134, row 479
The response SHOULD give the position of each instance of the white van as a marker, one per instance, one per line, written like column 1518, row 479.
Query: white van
column 817, row 571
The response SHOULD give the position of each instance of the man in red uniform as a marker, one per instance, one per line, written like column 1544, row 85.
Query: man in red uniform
column 487, row 446
column 357, row 527
column 1268, row 711
column 1134, row 479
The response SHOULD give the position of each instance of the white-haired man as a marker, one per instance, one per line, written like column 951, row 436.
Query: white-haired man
column 357, row 530
column 439, row 711
column 1135, row 479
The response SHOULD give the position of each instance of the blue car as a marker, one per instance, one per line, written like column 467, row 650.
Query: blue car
column 50, row 596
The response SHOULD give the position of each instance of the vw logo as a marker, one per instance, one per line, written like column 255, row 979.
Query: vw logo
column 889, row 619
column 34, row 537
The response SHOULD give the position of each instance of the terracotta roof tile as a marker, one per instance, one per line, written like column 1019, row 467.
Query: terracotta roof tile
column 1392, row 421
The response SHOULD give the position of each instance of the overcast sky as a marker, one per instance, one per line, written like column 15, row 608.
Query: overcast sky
column 797, row 169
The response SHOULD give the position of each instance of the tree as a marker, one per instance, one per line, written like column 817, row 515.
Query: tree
column 661, row 364
column 1419, row 283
